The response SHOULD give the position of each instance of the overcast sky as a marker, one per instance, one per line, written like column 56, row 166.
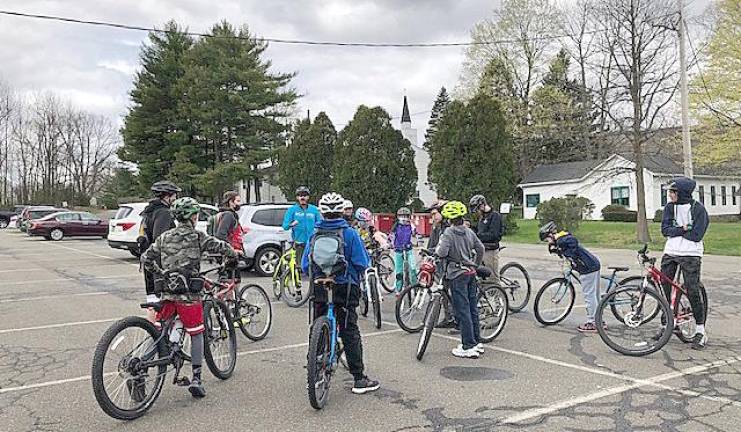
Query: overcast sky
column 94, row 66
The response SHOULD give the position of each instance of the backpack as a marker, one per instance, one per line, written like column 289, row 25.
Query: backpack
column 212, row 223
column 327, row 252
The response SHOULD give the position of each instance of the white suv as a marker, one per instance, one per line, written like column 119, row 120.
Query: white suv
column 123, row 228
column 263, row 234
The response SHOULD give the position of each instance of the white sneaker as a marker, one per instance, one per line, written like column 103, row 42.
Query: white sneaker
column 479, row 348
column 469, row 353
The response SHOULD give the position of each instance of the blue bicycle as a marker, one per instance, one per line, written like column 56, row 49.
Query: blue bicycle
column 324, row 350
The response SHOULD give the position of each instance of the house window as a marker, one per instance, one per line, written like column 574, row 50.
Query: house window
column 712, row 195
column 663, row 195
column 621, row 196
column 701, row 193
column 733, row 194
column 532, row 200
column 723, row 199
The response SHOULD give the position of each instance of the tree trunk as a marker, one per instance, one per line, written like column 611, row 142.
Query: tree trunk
column 642, row 234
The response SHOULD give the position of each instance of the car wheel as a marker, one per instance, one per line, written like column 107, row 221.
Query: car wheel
column 56, row 234
column 266, row 260
column 4, row 223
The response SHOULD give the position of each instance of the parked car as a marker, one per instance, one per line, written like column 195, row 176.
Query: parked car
column 263, row 235
column 124, row 226
column 56, row 226
column 35, row 212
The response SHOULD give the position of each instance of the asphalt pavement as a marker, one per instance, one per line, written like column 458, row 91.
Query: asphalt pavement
column 57, row 299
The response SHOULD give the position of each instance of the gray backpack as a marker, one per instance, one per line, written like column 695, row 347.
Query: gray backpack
column 327, row 253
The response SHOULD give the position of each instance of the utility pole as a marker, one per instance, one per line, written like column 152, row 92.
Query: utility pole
column 686, row 143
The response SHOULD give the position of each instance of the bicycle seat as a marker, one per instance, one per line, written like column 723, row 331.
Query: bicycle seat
column 619, row 269
column 155, row 305
column 425, row 252
column 483, row 272
column 324, row 281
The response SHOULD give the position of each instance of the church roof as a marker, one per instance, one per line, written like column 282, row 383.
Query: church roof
column 405, row 117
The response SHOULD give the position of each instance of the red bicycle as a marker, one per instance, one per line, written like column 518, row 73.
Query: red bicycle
column 648, row 319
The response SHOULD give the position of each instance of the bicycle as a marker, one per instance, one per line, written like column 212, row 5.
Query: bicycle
column 370, row 294
column 383, row 263
column 324, row 352
column 143, row 360
column 641, row 305
column 516, row 282
column 555, row 299
column 287, row 277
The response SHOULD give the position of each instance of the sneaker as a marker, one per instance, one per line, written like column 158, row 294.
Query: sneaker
column 479, row 348
column 196, row 388
column 587, row 327
column 449, row 323
column 454, row 331
column 699, row 341
column 465, row 353
column 136, row 389
column 365, row 385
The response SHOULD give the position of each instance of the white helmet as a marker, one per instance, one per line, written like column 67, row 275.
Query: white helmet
column 347, row 205
column 331, row 202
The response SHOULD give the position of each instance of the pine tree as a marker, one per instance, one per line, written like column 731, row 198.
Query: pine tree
column 438, row 108
column 374, row 164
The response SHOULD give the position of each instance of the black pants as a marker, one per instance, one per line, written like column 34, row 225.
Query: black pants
column 347, row 318
column 690, row 267
column 149, row 282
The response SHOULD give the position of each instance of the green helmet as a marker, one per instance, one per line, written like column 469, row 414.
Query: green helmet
column 185, row 207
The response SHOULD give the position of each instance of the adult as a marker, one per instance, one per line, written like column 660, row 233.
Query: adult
column 490, row 230
column 684, row 225
column 348, row 212
column 301, row 218
column 228, row 228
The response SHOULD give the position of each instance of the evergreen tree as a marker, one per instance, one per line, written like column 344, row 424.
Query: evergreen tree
column 153, row 130
column 441, row 102
column 472, row 152
column 374, row 164
column 308, row 158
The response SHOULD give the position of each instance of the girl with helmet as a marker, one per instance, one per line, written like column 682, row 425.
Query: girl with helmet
column 455, row 248
column 401, row 237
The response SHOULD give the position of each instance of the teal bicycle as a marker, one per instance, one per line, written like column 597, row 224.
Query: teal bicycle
column 324, row 350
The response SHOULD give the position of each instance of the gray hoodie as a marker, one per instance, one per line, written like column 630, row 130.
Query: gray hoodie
column 456, row 247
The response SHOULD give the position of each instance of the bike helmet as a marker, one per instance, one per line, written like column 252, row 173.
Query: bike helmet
column 545, row 230
column 347, row 205
column 184, row 208
column 404, row 211
column 302, row 190
column 331, row 202
column 165, row 187
column 476, row 201
column 363, row 214
column 454, row 210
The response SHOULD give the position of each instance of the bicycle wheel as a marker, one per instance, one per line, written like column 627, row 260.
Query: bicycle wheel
column 277, row 277
column 516, row 283
column 685, row 324
column 363, row 300
column 636, row 281
column 386, row 273
column 254, row 312
column 554, row 301
column 291, row 291
column 634, row 335
column 375, row 300
column 493, row 311
column 220, row 340
column 429, row 326
column 411, row 308
column 123, row 387
column 318, row 369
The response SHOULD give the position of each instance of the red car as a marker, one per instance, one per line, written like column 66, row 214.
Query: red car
column 58, row 225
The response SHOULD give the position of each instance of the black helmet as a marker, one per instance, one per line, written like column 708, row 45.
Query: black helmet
column 302, row 190
column 165, row 187
column 475, row 202
column 548, row 228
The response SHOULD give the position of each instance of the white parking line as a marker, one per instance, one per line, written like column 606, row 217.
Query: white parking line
column 93, row 254
column 72, row 279
column 53, row 297
column 49, row 326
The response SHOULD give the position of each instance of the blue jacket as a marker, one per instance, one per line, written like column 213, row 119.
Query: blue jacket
column 700, row 220
column 355, row 253
column 581, row 259
column 307, row 220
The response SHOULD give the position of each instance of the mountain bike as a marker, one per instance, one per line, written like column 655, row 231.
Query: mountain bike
column 555, row 299
column 370, row 294
column 287, row 277
column 323, row 355
column 132, row 358
column 515, row 281
column 382, row 261
column 640, row 333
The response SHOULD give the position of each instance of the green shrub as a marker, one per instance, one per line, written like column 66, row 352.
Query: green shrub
column 566, row 212
column 659, row 215
column 618, row 213
column 510, row 223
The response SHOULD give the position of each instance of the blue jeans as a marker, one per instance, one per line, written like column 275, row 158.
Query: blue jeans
column 464, row 292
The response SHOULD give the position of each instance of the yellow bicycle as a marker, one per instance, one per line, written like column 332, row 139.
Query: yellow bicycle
column 287, row 278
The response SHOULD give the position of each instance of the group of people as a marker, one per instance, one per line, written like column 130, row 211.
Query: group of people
column 179, row 247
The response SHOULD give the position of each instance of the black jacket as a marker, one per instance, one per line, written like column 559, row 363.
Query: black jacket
column 157, row 219
column 490, row 230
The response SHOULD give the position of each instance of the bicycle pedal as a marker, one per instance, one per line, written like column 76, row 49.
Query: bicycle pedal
column 182, row 382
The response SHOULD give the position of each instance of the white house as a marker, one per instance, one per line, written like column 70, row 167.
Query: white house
column 612, row 181
column 421, row 158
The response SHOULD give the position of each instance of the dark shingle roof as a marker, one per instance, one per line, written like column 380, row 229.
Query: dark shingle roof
column 561, row 171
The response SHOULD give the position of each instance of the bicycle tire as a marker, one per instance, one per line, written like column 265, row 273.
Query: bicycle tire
column 642, row 348
column 492, row 302
column 375, row 300
column 539, row 310
column 635, row 281
column 319, row 345
column 364, row 303
column 385, row 270
column 223, row 328
column 290, row 298
column 680, row 334
column 98, row 374
column 277, row 285
column 407, row 297
column 429, row 326
column 248, row 308
column 513, row 305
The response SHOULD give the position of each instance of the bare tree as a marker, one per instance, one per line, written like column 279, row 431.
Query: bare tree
column 638, row 39
column 7, row 108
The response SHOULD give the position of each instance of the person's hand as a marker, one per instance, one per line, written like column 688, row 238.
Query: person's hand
column 293, row 224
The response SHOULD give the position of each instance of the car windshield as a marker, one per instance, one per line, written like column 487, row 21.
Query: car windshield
column 123, row 211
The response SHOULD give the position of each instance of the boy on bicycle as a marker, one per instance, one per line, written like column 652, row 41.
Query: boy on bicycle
column 180, row 249
column 402, row 234
column 346, row 294
column 583, row 262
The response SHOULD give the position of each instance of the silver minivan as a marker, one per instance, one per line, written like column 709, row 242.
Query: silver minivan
column 263, row 234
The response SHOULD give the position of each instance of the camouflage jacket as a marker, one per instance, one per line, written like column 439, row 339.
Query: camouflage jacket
column 180, row 249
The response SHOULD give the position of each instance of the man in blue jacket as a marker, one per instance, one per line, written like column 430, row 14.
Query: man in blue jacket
column 346, row 295
column 301, row 218
column 583, row 262
column 684, row 225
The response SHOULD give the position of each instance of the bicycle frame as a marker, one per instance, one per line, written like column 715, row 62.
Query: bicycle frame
column 287, row 263
column 659, row 279
column 373, row 271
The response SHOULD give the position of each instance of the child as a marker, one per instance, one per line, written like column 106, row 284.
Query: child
column 583, row 262
column 366, row 230
column 402, row 234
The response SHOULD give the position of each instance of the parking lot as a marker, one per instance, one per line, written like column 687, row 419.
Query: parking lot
column 57, row 299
